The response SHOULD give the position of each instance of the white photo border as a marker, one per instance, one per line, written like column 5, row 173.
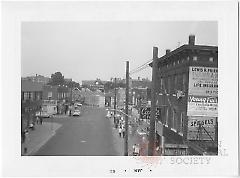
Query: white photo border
column 14, row 13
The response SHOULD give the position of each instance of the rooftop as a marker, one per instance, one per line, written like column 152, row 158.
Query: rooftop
column 30, row 86
column 190, row 46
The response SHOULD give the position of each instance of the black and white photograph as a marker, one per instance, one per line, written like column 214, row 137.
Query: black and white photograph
column 76, row 99
column 125, row 88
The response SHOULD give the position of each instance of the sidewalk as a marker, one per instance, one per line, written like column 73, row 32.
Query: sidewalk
column 118, row 142
column 38, row 137
column 133, row 137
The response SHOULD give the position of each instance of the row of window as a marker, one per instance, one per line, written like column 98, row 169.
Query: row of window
column 174, row 82
column 31, row 96
column 195, row 58
column 172, row 120
column 61, row 95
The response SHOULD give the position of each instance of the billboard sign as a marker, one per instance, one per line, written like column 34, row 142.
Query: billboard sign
column 202, row 106
column 145, row 113
column 175, row 150
column 203, row 91
column 204, row 132
column 203, row 81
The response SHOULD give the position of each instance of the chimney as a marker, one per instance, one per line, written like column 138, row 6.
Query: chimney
column 168, row 51
column 191, row 40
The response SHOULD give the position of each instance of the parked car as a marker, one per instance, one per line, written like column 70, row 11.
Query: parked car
column 108, row 114
column 76, row 113
column 42, row 114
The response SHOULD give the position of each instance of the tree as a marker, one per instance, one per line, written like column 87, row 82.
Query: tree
column 110, row 85
column 73, row 84
column 57, row 79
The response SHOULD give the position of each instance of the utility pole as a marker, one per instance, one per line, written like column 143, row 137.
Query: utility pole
column 126, row 110
column 153, row 103
column 115, row 100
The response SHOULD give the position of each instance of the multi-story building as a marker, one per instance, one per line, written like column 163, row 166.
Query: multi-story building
column 31, row 100
column 140, row 91
column 59, row 92
column 188, row 97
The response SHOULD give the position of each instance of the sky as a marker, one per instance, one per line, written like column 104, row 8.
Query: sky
column 100, row 49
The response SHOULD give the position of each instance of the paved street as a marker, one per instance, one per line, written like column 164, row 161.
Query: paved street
column 90, row 134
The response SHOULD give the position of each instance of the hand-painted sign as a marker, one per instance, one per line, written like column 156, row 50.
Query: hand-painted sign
column 175, row 150
column 145, row 113
column 203, row 81
column 201, row 128
column 202, row 106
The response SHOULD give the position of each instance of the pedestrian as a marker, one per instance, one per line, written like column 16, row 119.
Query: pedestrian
column 41, row 120
column 26, row 133
column 120, row 131
column 23, row 136
column 66, row 108
column 57, row 109
column 38, row 121
column 123, row 132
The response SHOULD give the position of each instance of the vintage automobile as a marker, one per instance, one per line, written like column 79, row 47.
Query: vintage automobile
column 42, row 114
column 76, row 112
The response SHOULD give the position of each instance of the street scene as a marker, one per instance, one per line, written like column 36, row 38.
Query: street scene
column 95, row 89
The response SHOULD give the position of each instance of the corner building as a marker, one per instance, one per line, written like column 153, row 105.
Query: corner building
column 187, row 97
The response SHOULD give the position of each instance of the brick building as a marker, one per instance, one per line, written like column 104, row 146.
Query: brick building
column 31, row 100
column 187, row 96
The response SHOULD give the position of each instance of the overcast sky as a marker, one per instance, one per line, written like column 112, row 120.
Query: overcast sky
column 90, row 50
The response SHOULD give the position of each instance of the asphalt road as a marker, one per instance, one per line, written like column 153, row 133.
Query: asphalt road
column 90, row 135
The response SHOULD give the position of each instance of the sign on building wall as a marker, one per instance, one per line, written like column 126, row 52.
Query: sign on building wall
column 203, row 81
column 175, row 150
column 202, row 106
column 145, row 113
column 203, row 91
column 201, row 128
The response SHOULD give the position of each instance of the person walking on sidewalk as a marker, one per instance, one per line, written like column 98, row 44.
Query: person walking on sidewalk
column 123, row 131
column 26, row 140
column 120, row 131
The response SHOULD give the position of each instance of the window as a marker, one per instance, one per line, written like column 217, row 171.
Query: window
column 195, row 58
column 49, row 94
column 211, row 59
column 175, row 81
column 161, row 83
column 167, row 116
column 173, row 119
column 184, row 82
column 169, row 84
column 26, row 96
column 181, row 122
